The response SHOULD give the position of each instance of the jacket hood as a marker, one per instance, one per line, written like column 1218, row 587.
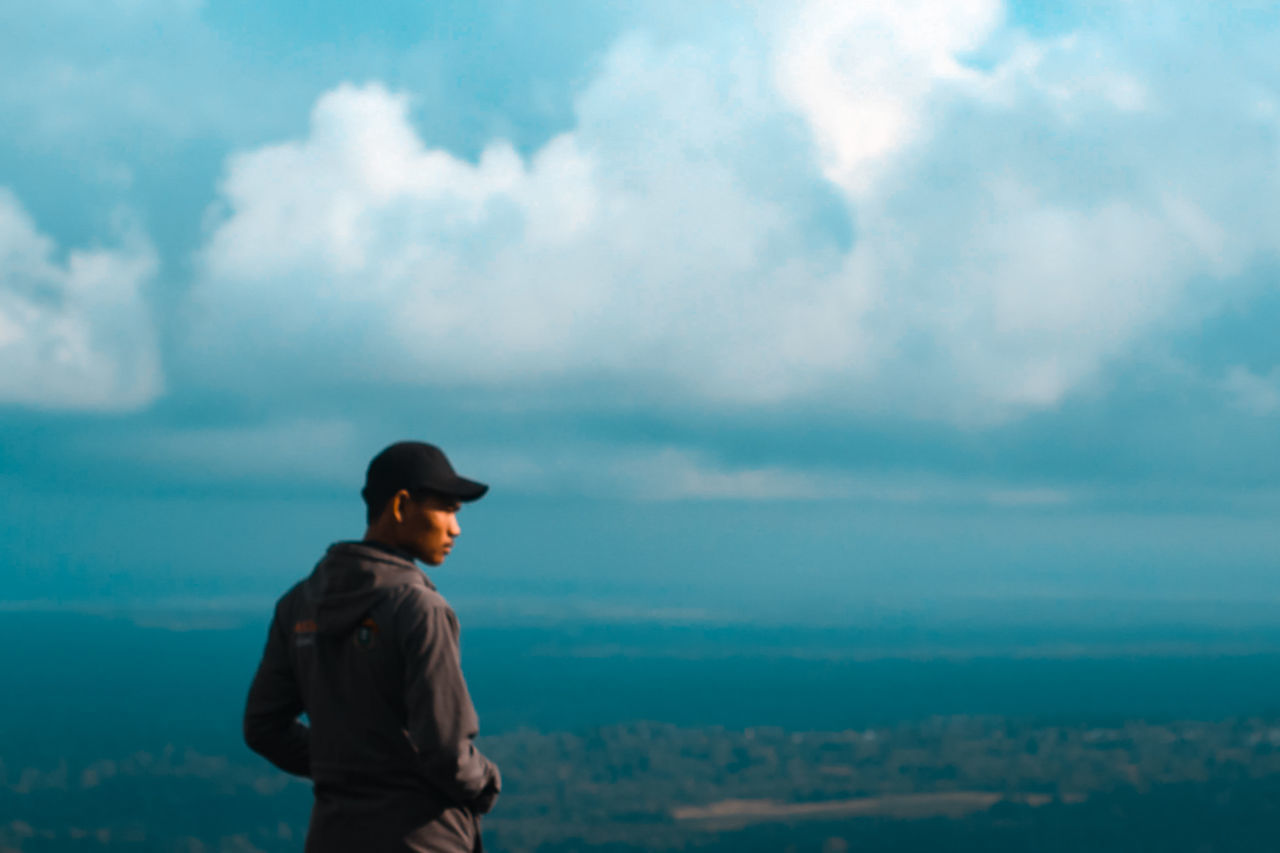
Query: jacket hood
column 351, row 578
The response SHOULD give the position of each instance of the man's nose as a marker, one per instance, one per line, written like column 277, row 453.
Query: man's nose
column 454, row 529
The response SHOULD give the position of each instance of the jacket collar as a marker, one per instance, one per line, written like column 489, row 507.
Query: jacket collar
column 380, row 552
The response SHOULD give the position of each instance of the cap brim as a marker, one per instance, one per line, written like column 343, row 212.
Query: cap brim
column 466, row 490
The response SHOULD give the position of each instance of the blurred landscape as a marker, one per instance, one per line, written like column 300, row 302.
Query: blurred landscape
column 667, row 736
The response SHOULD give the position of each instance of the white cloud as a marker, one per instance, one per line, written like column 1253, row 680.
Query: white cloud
column 1017, row 229
column 652, row 473
column 1023, row 227
column 625, row 249
column 673, row 473
column 670, row 473
column 332, row 452
column 1018, row 300
column 74, row 334
column 862, row 73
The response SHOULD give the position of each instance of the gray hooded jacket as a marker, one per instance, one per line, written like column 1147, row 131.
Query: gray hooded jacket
column 368, row 650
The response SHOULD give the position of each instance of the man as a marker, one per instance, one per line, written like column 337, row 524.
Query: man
column 368, row 650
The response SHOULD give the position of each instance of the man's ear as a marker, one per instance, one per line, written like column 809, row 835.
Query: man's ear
column 397, row 505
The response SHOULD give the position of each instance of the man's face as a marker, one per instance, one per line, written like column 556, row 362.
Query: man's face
column 429, row 524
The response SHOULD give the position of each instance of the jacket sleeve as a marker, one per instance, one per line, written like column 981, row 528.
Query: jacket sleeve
column 271, row 725
column 441, row 720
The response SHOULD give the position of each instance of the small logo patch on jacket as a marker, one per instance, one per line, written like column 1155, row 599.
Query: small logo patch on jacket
column 366, row 636
column 304, row 632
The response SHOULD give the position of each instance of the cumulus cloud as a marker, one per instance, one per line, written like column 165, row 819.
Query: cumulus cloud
column 862, row 73
column 1025, row 226
column 1018, row 225
column 630, row 248
column 74, row 333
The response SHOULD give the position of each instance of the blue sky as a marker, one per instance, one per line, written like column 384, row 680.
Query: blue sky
column 733, row 303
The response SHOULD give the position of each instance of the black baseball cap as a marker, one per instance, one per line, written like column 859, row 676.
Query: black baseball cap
column 416, row 467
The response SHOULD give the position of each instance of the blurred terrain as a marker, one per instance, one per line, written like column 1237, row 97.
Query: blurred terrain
column 122, row 734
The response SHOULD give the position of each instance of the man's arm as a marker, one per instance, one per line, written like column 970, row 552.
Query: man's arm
column 441, row 719
column 271, row 725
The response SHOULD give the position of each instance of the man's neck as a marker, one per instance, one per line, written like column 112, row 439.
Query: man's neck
column 373, row 541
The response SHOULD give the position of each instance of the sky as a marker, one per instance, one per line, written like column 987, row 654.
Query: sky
column 744, row 309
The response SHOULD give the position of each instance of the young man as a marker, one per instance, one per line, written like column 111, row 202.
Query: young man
column 368, row 650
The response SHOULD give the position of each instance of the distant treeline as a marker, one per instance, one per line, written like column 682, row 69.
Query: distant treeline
column 953, row 783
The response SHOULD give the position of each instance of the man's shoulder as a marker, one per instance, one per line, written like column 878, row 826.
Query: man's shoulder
column 421, row 599
column 286, row 601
